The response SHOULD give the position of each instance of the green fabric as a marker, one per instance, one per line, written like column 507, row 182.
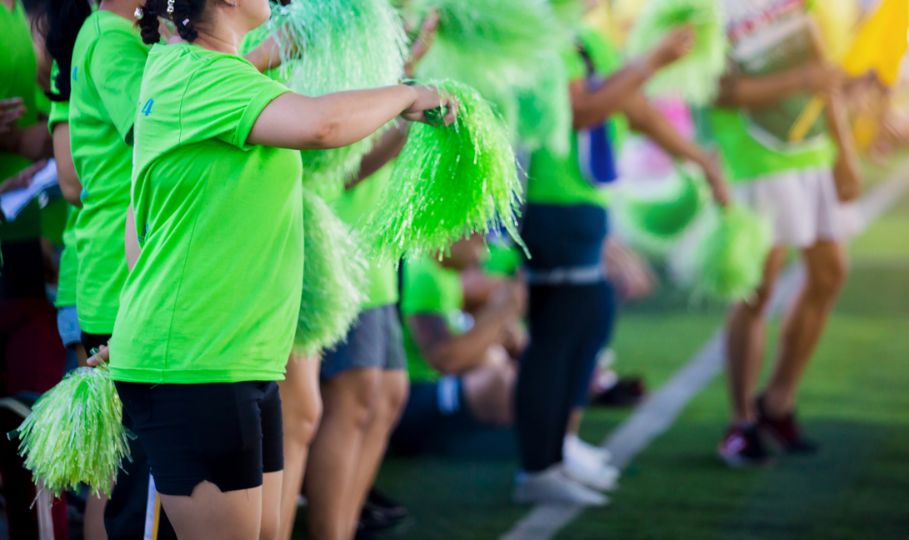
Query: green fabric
column 18, row 78
column 215, row 294
column 558, row 179
column 429, row 289
column 108, row 60
column 69, row 263
column 504, row 259
column 66, row 279
column 354, row 207
column 754, row 142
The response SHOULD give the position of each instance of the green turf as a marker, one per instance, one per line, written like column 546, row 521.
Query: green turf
column 853, row 401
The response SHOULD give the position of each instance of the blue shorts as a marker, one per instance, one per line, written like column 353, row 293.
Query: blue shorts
column 68, row 326
column 374, row 341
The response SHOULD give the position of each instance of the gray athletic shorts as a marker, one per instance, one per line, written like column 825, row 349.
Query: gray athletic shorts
column 374, row 341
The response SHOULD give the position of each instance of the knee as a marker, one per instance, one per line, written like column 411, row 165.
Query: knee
column 365, row 399
column 757, row 303
column 302, row 421
column 396, row 393
column 825, row 281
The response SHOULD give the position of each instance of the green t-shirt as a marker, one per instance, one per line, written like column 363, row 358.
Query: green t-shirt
column 768, row 36
column 215, row 293
column 108, row 60
column 69, row 262
column 558, row 179
column 429, row 289
column 18, row 78
column 354, row 207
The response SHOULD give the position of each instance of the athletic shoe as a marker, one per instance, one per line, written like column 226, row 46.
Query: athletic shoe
column 554, row 486
column 743, row 447
column 625, row 392
column 576, row 448
column 785, row 431
column 595, row 475
column 391, row 509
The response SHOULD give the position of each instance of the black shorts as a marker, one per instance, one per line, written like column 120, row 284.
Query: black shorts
column 229, row 434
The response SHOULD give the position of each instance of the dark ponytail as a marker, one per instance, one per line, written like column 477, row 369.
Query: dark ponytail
column 184, row 16
column 60, row 23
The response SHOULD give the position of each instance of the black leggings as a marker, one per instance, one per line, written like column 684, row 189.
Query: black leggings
column 569, row 324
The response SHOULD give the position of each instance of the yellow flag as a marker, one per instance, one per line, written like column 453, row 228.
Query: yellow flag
column 880, row 42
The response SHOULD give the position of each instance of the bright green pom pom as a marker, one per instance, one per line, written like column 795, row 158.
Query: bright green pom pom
column 654, row 224
column 729, row 263
column 509, row 51
column 332, row 46
column 75, row 434
column 334, row 278
column 696, row 76
column 450, row 181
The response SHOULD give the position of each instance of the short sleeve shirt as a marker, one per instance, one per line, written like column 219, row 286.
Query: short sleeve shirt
column 108, row 60
column 215, row 293
column 558, row 179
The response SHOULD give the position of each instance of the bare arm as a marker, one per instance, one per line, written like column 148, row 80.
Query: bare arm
column 591, row 107
column 266, row 56
column 455, row 353
column 335, row 120
column 742, row 92
column 66, row 172
column 386, row 149
column 646, row 119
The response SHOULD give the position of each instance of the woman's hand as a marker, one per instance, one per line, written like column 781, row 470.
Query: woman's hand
column 10, row 111
column 102, row 356
column 429, row 100
column 675, row 46
column 23, row 179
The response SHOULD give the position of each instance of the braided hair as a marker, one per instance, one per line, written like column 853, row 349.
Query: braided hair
column 184, row 15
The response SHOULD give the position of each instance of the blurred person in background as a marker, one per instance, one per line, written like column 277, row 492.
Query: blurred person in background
column 459, row 326
column 776, row 68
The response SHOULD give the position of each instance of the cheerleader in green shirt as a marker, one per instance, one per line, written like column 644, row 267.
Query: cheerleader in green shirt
column 209, row 310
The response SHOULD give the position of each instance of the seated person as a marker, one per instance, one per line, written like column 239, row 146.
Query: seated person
column 459, row 327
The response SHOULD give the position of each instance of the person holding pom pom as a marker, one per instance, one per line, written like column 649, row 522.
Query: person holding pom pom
column 209, row 310
column 565, row 226
column 775, row 68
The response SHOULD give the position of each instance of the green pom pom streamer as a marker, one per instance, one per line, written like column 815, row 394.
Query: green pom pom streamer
column 332, row 46
column 449, row 182
column 729, row 262
column 334, row 279
column 75, row 435
column 696, row 76
column 509, row 51
column 654, row 224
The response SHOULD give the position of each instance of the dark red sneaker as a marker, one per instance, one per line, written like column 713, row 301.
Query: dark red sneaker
column 785, row 431
column 742, row 447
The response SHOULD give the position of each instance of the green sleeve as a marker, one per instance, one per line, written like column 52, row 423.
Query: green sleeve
column 59, row 110
column 424, row 291
column 243, row 93
column 113, row 69
column 574, row 64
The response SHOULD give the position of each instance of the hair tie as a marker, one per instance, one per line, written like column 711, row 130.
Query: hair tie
column 170, row 7
column 185, row 22
column 138, row 13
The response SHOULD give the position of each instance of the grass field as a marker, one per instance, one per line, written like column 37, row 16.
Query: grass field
column 854, row 402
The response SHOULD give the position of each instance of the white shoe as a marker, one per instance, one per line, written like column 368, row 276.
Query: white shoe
column 577, row 448
column 595, row 475
column 553, row 486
